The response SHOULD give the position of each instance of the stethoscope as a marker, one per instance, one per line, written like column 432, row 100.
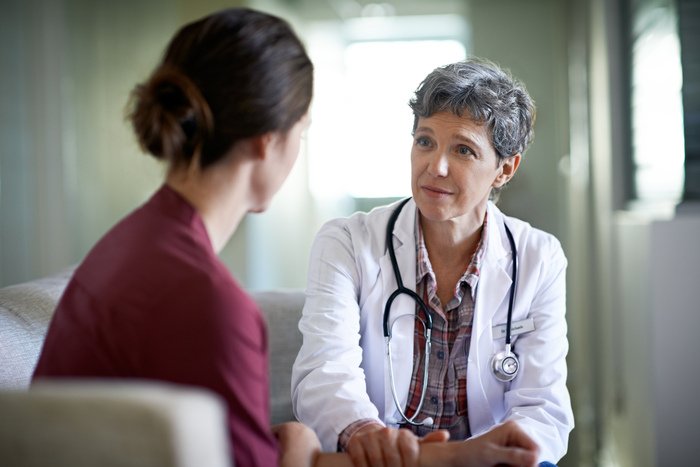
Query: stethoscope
column 504, row 364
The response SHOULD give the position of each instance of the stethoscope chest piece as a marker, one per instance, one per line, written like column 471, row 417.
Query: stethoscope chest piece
column 505, row 365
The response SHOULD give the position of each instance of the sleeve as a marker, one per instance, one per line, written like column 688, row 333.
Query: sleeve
column 214, row 337
column 328, row 384
column 538, row 400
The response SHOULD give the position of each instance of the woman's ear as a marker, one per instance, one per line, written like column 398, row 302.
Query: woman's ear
column 508, row 168
column 261, row 145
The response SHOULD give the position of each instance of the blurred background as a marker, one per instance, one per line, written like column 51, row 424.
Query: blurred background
column 614, row 171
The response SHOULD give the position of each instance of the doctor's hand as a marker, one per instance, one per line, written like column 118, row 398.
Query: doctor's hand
column 376, row 445
column 505, row 444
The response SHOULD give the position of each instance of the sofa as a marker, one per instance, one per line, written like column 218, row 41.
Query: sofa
column 119, row 423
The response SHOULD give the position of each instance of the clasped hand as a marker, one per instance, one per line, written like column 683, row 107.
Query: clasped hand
column 377, row 446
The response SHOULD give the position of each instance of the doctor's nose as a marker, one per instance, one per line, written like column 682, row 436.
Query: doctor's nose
column 437, row 164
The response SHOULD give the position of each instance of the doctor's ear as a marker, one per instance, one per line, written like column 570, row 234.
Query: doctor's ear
column 508, row 167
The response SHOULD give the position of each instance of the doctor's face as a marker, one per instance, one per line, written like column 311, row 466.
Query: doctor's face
column 454, row 166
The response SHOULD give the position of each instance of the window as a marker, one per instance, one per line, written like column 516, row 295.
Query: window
column 657, row 112
column 366, row 72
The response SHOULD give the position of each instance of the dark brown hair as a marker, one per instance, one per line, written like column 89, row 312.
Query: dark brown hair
column 229, row 76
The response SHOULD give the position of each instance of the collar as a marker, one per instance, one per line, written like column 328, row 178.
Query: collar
column 425, row 269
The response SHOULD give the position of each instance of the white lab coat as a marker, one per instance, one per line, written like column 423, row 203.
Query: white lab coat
column 341, row 373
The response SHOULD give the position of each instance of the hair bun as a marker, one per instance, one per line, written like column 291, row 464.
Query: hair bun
column 229, row 76
column 170, row 116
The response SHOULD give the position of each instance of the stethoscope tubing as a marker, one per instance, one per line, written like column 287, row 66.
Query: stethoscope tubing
column 511, row 300
column 401, row 289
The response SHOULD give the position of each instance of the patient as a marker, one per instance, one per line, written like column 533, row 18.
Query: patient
column 225, row 110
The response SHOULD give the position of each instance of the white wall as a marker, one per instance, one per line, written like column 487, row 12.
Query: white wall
column 658, row 300
column 675, row 320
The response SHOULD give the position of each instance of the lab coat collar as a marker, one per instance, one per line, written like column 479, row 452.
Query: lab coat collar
column 497, row 248
column 404, row 232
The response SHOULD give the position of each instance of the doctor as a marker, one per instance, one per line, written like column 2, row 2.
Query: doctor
column 439, row 312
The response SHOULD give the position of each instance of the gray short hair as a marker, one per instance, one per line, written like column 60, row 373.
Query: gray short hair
column 488, row 94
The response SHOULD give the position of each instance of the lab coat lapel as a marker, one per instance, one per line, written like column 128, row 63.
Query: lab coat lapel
column 402, row 331
column 494, row 280
column 494, row 284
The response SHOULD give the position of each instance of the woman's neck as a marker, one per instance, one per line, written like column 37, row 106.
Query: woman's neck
column 219, row 194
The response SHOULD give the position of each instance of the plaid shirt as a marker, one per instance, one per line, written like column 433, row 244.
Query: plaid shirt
column 446, row 393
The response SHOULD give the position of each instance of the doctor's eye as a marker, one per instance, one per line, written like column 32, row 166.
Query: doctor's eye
column 463, row 150
column 423, row 141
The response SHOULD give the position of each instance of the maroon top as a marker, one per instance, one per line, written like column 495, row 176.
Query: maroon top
column 152, row 300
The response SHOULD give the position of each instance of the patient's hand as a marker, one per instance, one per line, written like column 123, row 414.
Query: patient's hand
column 298, row 444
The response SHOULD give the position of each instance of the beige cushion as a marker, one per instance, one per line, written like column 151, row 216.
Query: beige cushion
column 117, row 424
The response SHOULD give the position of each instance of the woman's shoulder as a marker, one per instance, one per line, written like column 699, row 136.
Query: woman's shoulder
column 217, row 286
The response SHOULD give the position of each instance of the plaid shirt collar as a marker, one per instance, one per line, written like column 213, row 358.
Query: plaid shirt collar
column 471, row 274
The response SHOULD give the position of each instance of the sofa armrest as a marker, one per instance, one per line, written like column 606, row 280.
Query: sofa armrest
column 112, row 422
column 25, row 313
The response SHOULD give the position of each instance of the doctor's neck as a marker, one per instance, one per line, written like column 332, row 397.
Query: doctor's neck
column 452, row 241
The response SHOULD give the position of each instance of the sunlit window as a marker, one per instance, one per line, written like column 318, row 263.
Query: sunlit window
column 359, row 143
column 657, row 113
